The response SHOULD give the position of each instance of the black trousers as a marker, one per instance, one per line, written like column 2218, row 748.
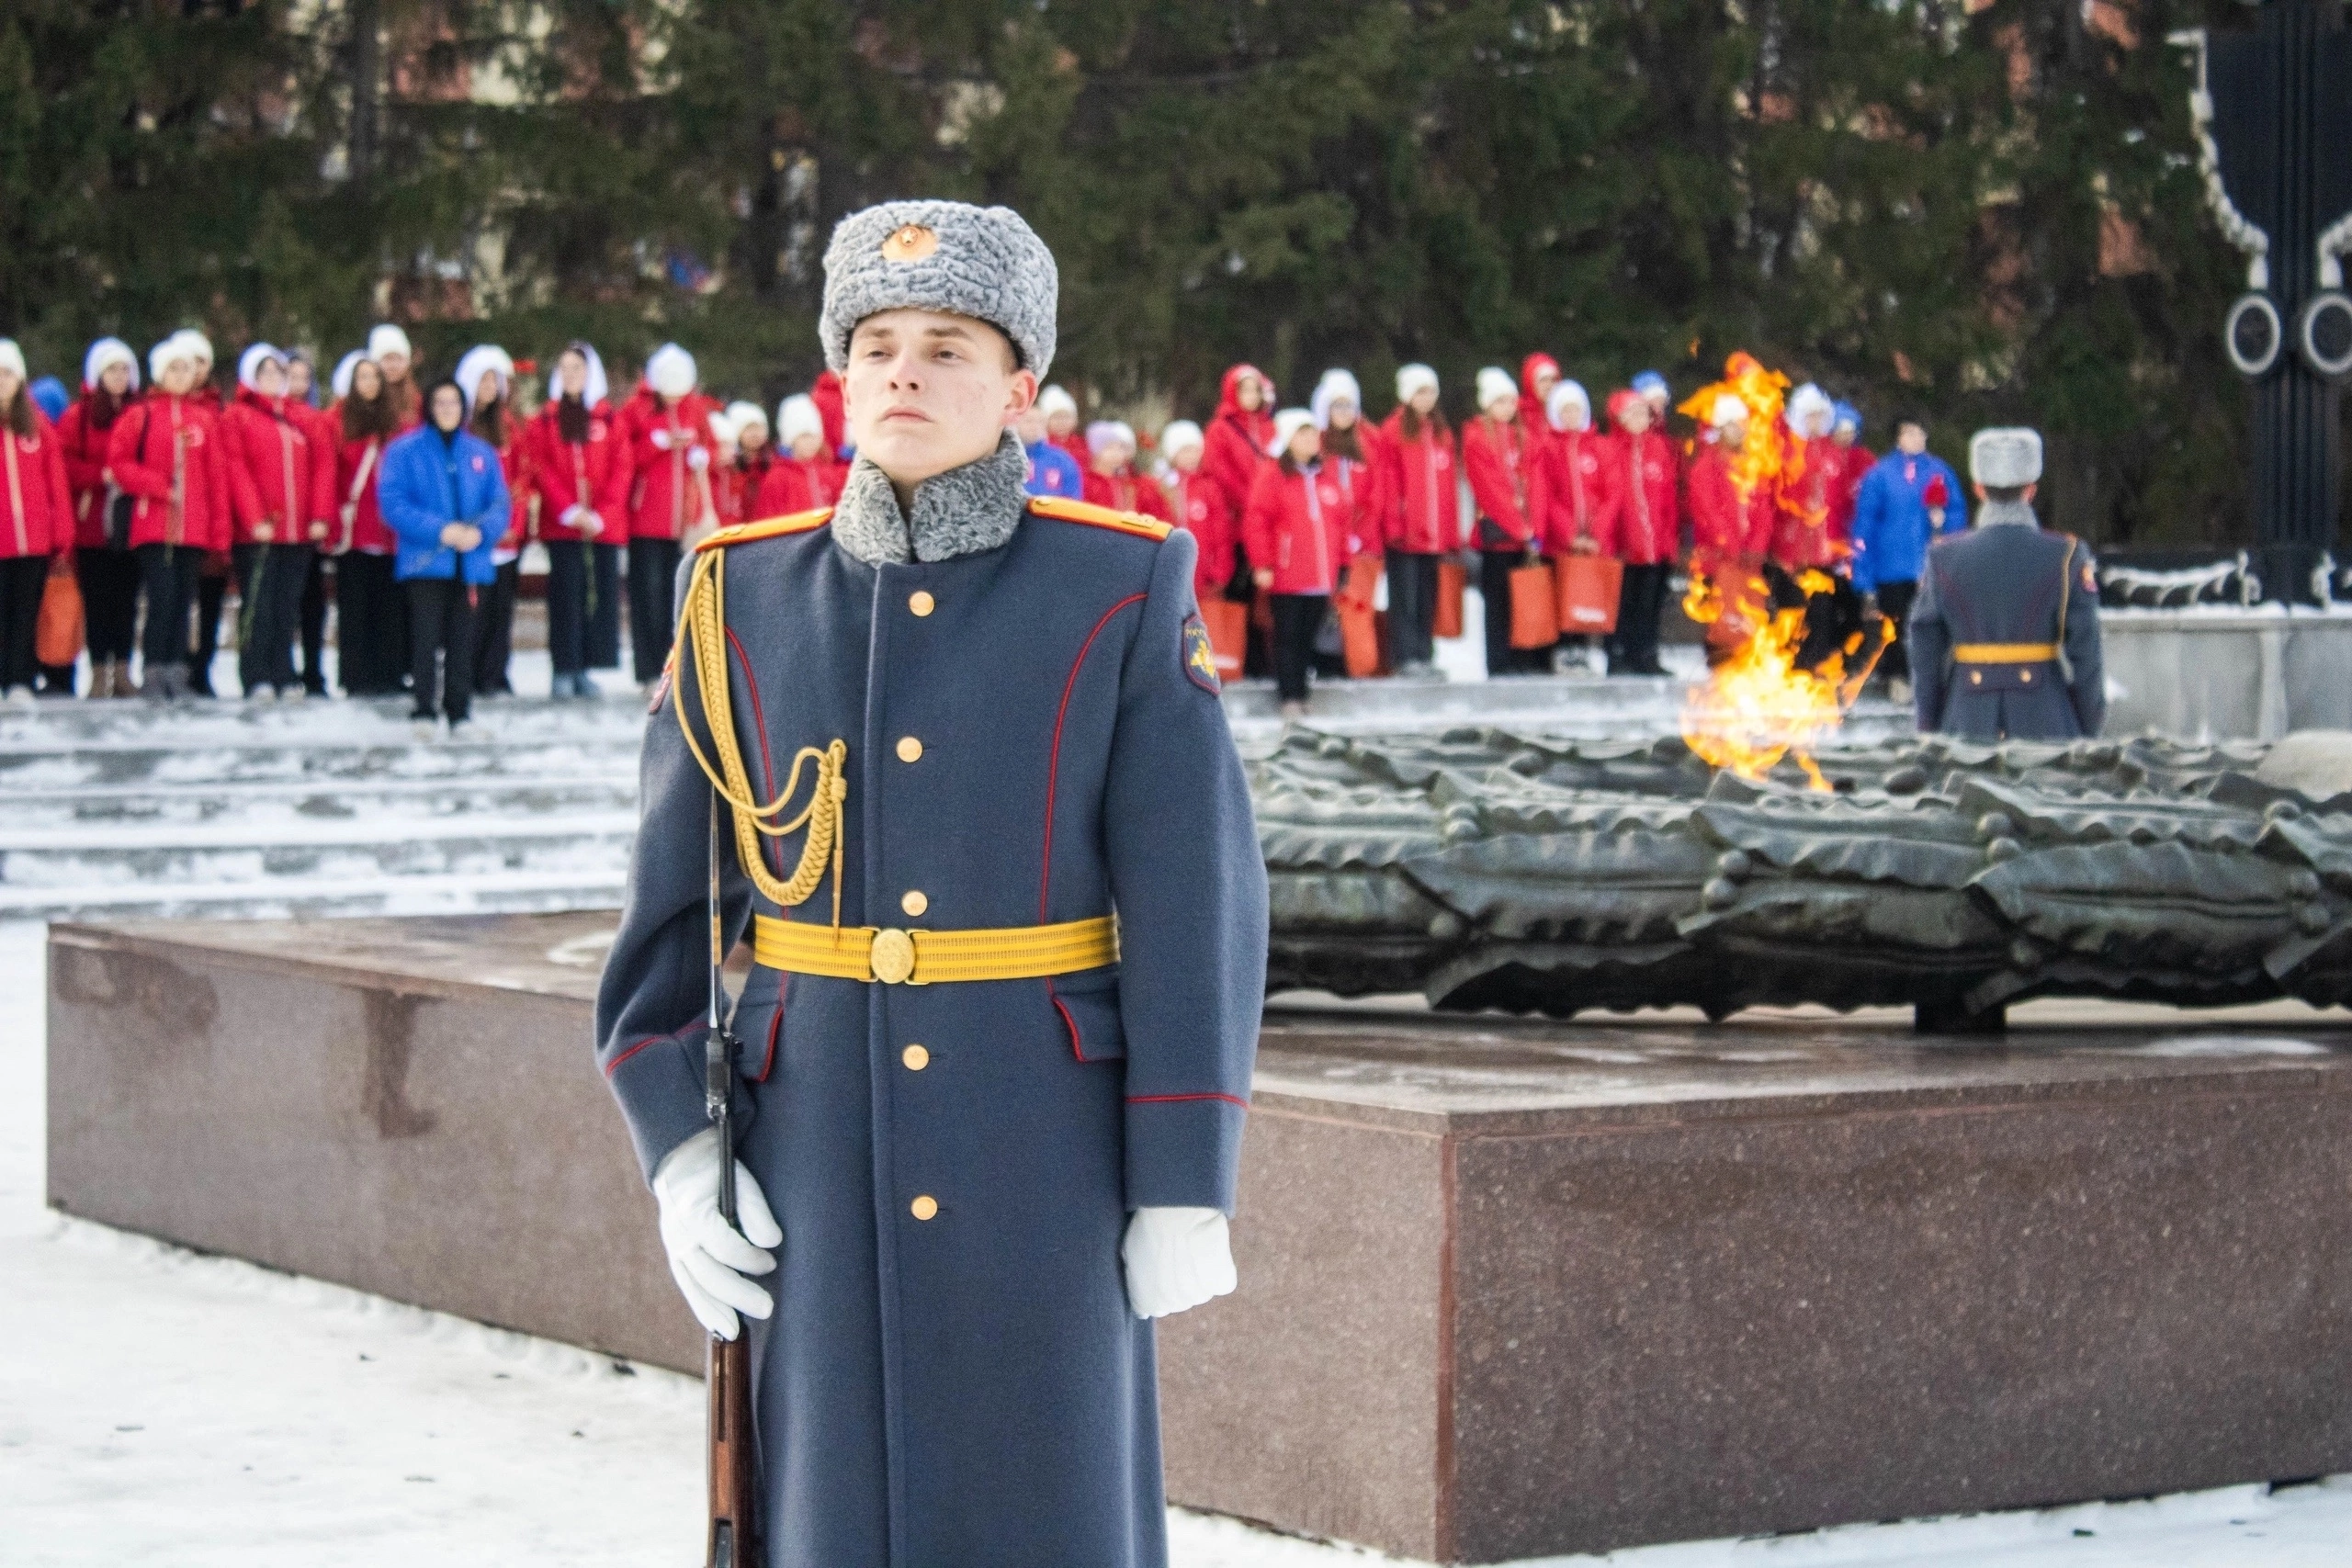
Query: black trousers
column 371, row 626
column 314, row 623
column 1894, row 603
column 110, row 602
column 211, row 588
column 269, row 581
column 167, row 572
column 441, row 612
column 583, row 605
column 1640, row 603
column 495, row 630
column 1495, row 568
column 1412, row 607
column 22, row 580
column 652, row 615
column 1297, row 617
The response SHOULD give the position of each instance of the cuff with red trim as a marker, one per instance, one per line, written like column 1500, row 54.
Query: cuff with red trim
column 1184, row 1150
column 658, row 1083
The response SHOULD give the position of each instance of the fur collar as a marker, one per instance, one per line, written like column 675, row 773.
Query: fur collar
column 960, row 512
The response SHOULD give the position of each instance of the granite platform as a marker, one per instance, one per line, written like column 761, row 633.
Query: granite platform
column 1508, row 1287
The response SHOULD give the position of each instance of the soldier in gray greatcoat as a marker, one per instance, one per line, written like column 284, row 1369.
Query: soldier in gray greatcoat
column 2004, row 633
column 990, row 843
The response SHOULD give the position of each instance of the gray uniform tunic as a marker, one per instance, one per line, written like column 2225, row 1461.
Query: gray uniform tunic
column 2005, row 582
column 953, row 1377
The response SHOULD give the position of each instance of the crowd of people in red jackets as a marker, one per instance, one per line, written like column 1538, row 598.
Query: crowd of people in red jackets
column 170, row 494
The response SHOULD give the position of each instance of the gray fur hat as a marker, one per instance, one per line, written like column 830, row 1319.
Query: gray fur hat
column 941, row 255
column 2005, row 458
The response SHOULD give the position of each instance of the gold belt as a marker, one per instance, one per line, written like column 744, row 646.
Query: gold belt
column 2004, row 652
column 925, row 957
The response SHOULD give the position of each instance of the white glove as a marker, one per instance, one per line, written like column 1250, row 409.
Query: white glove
column 707, row 1257
column 1176, row 1258
column 699, row 459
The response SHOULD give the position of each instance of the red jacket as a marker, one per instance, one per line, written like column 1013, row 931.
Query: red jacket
column 1533, row 417
column 1855, row 464
column 1505, row 479
column 653, row 482
column 1129, row 492
column 359, row 465
column 1580, row 491
column 1305, row 527
column 739, row 483
column 1649, row 518
column 168, row 452
column 36, row 498
column 288, row 472
column 1805, row 535
column 1725, row 529
column 1202, row 508
column 565, row 473
column 1074, row 444
column 1418, row 484
column 1233, row 447
column 793, row 486
column 85, row 441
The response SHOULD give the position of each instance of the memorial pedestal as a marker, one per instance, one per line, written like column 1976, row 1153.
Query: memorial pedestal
column 1508, row 1289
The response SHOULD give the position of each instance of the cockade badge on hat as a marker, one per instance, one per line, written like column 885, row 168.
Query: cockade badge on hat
column 910, row 243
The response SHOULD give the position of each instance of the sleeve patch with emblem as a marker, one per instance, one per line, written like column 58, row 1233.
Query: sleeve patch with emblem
column 1200, row 658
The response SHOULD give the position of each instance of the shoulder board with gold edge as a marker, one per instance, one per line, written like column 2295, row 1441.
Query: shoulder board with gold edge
column 766, row 528
column 1095, row 516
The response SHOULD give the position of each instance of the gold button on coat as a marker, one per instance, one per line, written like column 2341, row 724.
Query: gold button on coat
column 924, row 1207
column 915, row 1058
column 914, row 903
column 921, row 601
column 910, row 749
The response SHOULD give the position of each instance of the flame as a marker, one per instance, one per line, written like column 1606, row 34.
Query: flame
column 1760, row 705
column 1765, row 455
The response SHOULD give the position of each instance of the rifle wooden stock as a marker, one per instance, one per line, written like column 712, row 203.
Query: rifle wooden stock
column 734, row 1536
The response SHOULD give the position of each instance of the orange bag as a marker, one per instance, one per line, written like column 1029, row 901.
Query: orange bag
column 1227, row 621
column 1589, row 590
column 1452, row 580
column 1359, row 630
column 1534, row 606
column 57, row 634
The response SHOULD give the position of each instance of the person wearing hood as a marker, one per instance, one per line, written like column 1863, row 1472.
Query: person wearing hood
column 1111, row 478
column 1507, row 477
column 102, row 557
column 744, row 475
column 36, row 523
column 569, row 448
column 486, row 375
column 1238, row 434
column 1651, row 388
column 825, row 392
column 1580, row 500
column 1538, row 374
column 1198, row 508
column 804, row 475
column 1854, row 464
column 1422, row 522
column 1649, row 529
column 388, row 345
column 168, row 456
column 371, row 611
column 1909, row 499
column 283, row 505
column 661, row 483
column 1051, row 470
column 1302, row 526
column 1061, row 411
column 444, row 497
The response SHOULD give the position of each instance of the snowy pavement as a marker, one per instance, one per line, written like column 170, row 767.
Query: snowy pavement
column 157, row 1407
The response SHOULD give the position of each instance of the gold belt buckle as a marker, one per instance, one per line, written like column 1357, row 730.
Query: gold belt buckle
column 893, row 960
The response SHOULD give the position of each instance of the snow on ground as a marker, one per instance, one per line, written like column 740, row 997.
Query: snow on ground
column 158, row 1406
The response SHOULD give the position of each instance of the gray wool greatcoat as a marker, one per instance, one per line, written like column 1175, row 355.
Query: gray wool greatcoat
column 969, row 1389
column 2005, row 581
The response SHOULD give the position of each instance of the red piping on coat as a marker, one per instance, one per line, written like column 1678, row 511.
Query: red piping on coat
column 614, row 1066
column 776, row 1023
column 767, row 763
column 1164, row 1099
column 1053, row 773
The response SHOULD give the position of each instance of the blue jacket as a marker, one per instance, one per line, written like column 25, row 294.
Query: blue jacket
column 1052, row 471
column 1891, row 526
column 427, row 485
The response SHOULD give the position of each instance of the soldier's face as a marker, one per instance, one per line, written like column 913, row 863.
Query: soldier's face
column 927, row 391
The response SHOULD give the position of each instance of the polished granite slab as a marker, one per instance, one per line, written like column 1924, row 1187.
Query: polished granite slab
column 1508, row 1287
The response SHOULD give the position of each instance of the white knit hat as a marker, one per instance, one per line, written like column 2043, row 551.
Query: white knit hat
column 104, row 352
column 1177, row 434
column 1053, row 400
column 343, row 370
column 1103, row 432
column 722, row 429
column 1335, row 384
column 671, row 371
column 249, row 365
column 1804, row 403
column 1727, row 410
column 482, row 359
column 743, row 415
column 386, row 338
column 594, row 388
column 1412, row 379
column 12, row 357
column 1564, row 395
column 162, row 354
column 1287, row 423
column 198, row 345
column 796, row 416
column 1494, row 384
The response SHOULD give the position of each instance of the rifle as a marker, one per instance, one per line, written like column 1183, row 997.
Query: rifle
column 734, row 1537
